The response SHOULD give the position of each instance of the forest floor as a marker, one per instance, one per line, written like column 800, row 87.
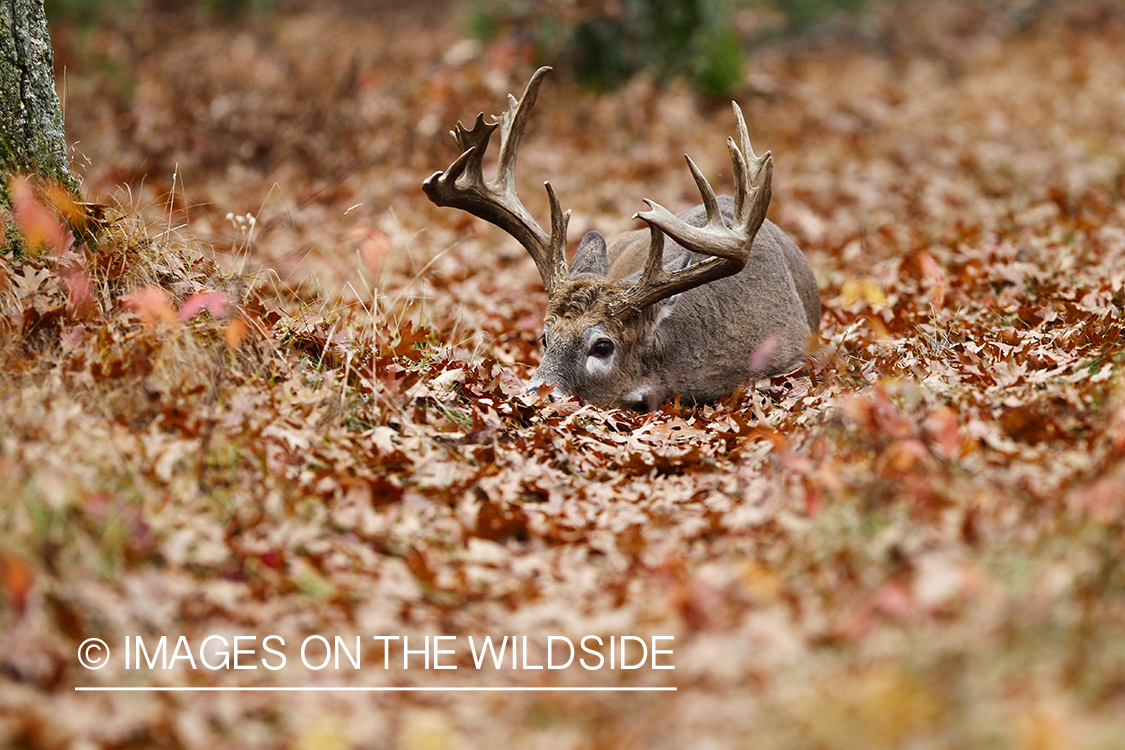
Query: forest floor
column 279, row 394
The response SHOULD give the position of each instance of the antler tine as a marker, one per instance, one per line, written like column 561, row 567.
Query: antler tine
column 654, row 266
column 655, row 283
column 747, row 172
column 556, row 258
column 512, row 123
column 710, row 202
column 473, row 143
column 728, row 246
column 463, row 185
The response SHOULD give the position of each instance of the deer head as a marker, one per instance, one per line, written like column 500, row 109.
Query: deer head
column 630, row 323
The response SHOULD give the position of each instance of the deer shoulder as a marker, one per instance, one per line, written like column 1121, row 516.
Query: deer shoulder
column 699, row 303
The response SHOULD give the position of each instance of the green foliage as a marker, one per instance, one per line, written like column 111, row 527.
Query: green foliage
column 605, row 47
column 721, row 69
column 90, row 13
column 240, row 8
column 483, row 22
column 9, row 244
column 84, row 12
column 803, row 14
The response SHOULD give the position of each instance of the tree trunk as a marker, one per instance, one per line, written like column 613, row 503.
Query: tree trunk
column 31, row 128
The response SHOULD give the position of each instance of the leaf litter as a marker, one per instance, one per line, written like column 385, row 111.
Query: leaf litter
column 314, row 422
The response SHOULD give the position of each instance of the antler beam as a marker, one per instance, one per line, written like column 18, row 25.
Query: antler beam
column 728, row 246
column 463, row 186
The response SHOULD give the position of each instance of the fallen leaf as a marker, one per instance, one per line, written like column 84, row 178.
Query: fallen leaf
column 152, row 303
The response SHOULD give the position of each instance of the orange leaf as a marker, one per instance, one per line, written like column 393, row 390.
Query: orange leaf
column 235, row 331
column 901, row 456
column 374, row 249
column 936, row 275
column 152, row 303
column 39, row 227
column 854, row 290
column 17, row 578
column 62, row 201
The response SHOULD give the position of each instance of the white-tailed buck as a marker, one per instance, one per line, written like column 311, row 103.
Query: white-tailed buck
column 630, row 323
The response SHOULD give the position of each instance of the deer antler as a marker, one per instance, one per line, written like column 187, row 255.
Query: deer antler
column 728, row 246
column 463, row 186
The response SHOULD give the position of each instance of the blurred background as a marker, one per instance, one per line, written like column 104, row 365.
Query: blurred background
column 279, row 106
column 303, row 85
column 297, row 111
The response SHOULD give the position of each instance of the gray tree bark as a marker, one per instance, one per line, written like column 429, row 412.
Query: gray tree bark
column 31, row 127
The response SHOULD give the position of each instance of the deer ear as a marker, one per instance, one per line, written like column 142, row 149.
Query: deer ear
column 590, row 257
column 666, row 310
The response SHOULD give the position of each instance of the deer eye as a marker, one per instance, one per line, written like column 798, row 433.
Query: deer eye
column 602, row 348
column 543, row 340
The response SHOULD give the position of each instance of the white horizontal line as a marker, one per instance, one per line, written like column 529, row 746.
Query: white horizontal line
column 162, row 689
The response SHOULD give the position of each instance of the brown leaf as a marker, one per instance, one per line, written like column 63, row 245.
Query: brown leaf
column 942, row 424
column 500, row 523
